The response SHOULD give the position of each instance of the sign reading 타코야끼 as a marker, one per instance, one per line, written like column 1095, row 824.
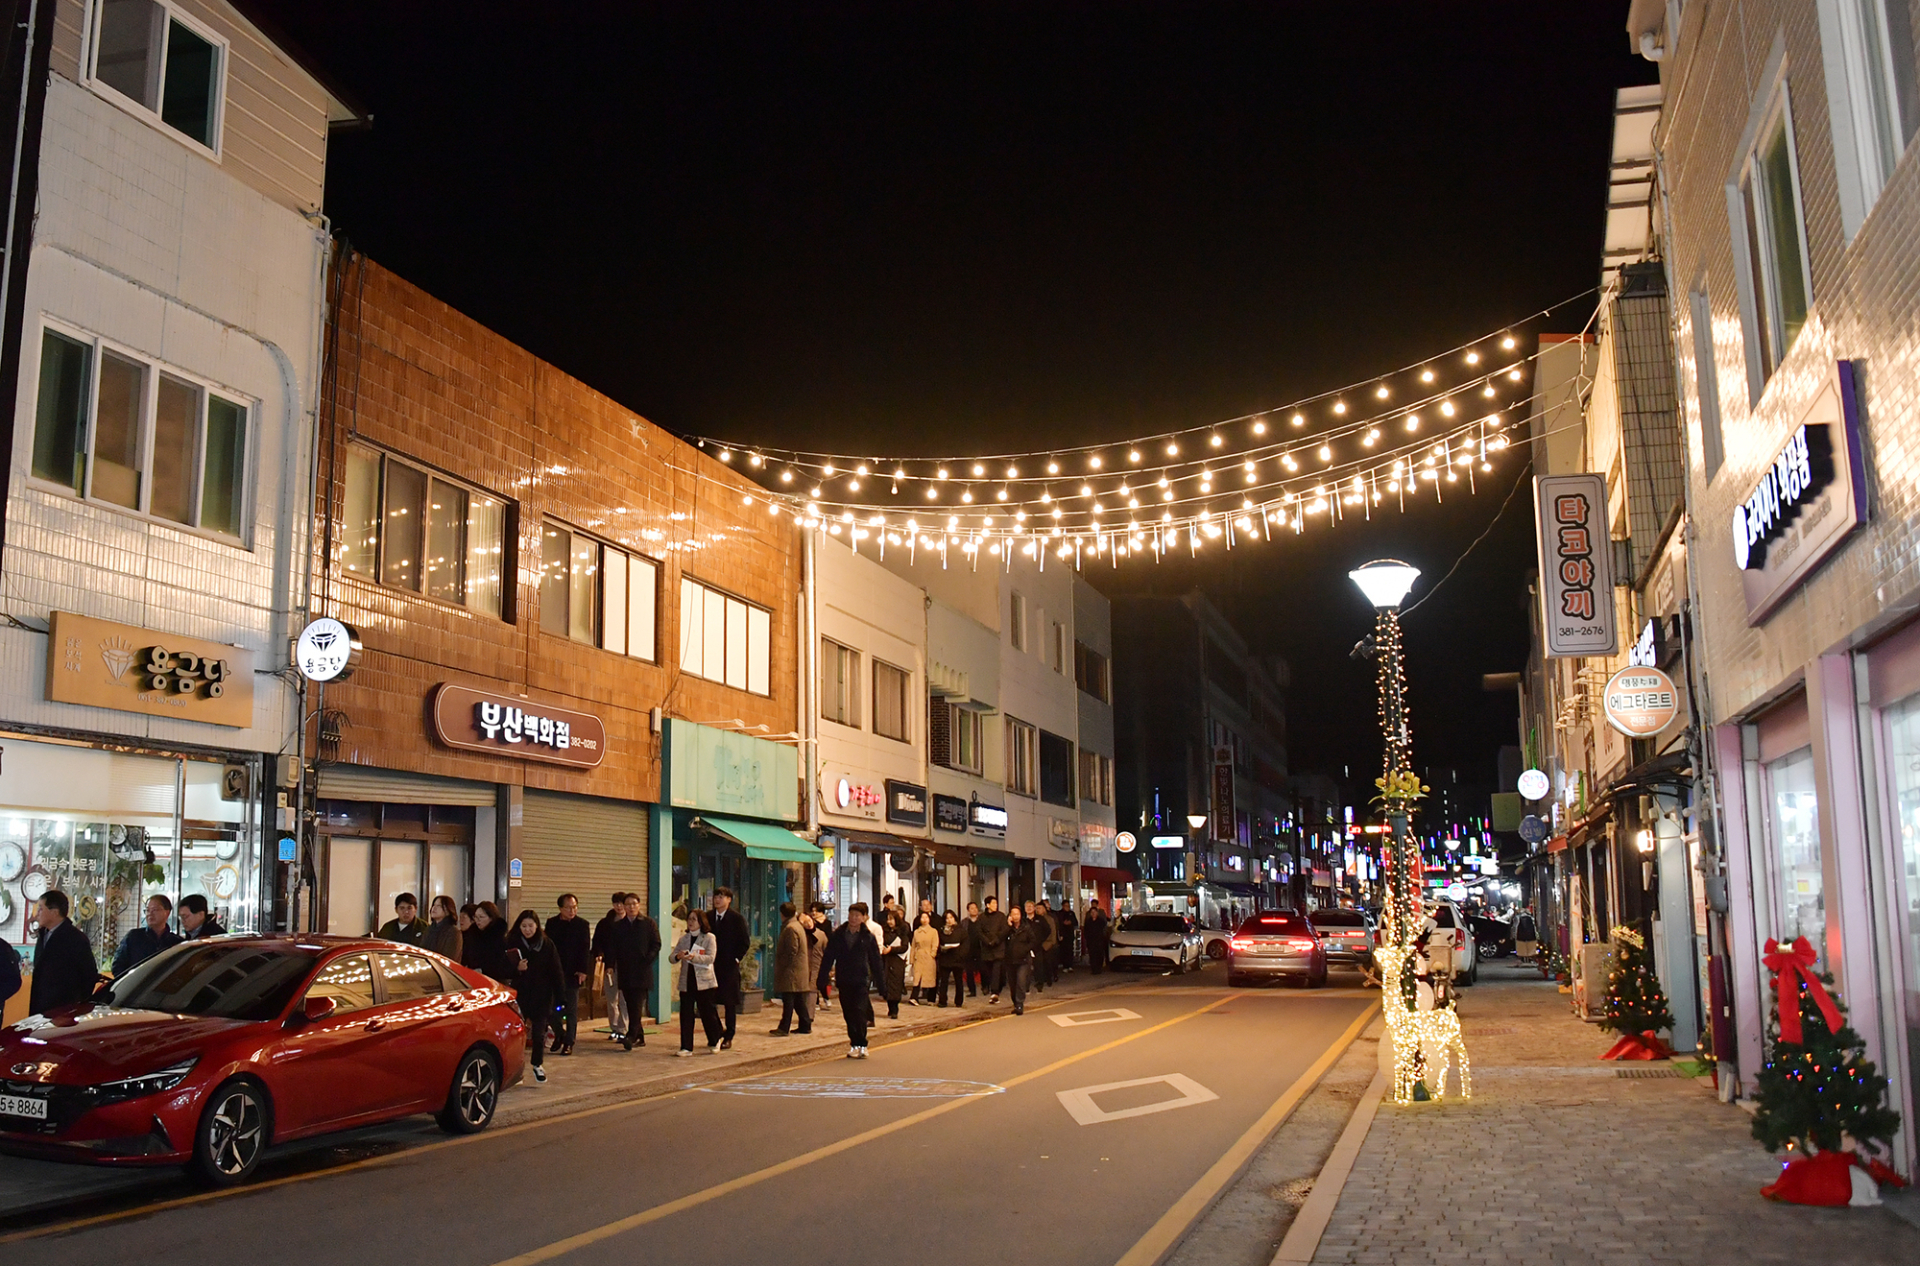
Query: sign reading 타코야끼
column 1576, row 565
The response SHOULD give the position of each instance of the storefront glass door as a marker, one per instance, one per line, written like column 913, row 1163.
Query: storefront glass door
column 1903, row 768
column 1793, row 839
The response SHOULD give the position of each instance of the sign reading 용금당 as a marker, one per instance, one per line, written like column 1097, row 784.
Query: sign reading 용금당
column 130, row 669
column 1576, row 565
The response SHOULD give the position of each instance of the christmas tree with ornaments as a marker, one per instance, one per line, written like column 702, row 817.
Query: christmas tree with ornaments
column 1819, row 1099
column 1636, row 1005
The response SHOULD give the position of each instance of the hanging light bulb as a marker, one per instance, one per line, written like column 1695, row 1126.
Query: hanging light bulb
column 1094, row 461
column 967, row 497
column 978, row 469
column 853, row 485
column 1473, row 358
column 1339, row 406
column 1487, row 390
column 1216, row 441
column 1259, row 428
column 827, row 470
column 1446, row 407
column 1426, row 375
column 1053, row 468
column 1299, row 419
column 726, row 455
column 899, row 473
column 786, row 476
column 1413, row 421
column 1173, row 450
column 1002, row 494
column 1507, row 342
column 815, row 493
column 1133, row 455
column 1086, row 490
column 754, row 460
column 1013, row 472
column 1326, row 453
column 1382, row 392
column 1514, row 375
column 941, row 473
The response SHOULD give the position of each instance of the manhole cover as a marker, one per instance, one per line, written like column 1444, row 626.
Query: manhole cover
column 856, row 1088
column 1643, row 1074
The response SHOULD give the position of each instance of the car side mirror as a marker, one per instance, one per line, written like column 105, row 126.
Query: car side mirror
column 312, row 1011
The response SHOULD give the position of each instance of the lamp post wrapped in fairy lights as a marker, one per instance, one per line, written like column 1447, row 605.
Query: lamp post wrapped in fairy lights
column 1425, row 1036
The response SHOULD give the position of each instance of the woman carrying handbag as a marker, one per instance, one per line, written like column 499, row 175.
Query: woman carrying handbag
column 695, row 952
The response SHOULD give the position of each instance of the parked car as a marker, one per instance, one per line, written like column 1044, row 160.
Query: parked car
column 1166, row 942
column 1277, row 943
column 210, row 1052
column 1213, row 942
column 1347, row 936
column 1491, row 937
column 1459, row 957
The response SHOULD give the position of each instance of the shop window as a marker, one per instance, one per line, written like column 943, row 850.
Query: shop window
column 125, row 431
column 1056, row 769
column 724, row 639
column 160, row 63
column 406, row 528
column 1023, row 759
column 1091, row 672
column 1903, row 763
column 839, row 683
column 597, row 593
column 1775, row 256
column 1793, row 830
column 890, row 694
column 1096, row 778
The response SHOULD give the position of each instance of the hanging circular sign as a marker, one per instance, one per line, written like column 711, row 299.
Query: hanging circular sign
column 1534, row 829
column 1533, row 785
column 1125, row 842
column 327, row 650
column 1641, row 702
column 1456, row 892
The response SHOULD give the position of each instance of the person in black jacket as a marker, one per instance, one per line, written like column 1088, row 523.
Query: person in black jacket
column 852, row 960
column 1098, row 933
column 992, row 931
column 64, row 971
column 486, row 950
column 143, row 943
column 195, row 921
column 616, row 1005
column 950, row 963
column 568, row 932
column 731, row 935
column 634, row 942
column 1068, row 923
column 894, row 939
column 970, row 949
column 533, row 969
column 1024, row 947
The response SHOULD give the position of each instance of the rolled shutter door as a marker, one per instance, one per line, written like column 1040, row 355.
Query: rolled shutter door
column 360, row 782
column 585, row 845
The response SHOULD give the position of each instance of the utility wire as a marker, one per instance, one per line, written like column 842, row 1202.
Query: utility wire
column 1518, row 480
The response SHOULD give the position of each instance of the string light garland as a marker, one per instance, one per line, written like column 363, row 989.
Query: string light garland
column 1245, row 483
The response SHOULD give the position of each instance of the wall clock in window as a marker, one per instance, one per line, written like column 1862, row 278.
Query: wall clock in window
column 13, row 860
column 226, row 882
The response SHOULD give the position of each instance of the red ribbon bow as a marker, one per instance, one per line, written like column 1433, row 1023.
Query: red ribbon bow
column 1790, row 965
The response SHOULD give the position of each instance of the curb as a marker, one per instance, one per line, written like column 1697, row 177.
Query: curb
column 1303, row 1237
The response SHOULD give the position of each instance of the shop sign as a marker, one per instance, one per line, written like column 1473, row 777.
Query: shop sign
column 1062, row 833
column 1168, row 841
column 497, row 725
column 1125, row 842
column 1576, row 565
column 906, row 803
column 1223, row 794
column 723, row 771
column 987, row 819
column 106, row 665
column 949, row 814
column 1806, row 501
column 1533, row 784
column 1534, row 829
column 1641, row 702
column 847, row 797
column 326, row 650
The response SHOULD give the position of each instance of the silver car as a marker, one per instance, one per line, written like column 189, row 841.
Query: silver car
column 1276, row 943
column 1163, row 942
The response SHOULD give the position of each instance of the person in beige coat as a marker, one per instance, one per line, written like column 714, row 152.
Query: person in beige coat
column 791, row 980
column 923, row 971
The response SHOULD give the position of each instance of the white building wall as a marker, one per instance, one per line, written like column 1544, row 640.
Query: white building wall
column 154, row 247
column 1093, row 626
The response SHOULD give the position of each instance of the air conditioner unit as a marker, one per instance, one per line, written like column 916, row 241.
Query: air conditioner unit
column 1590, row 984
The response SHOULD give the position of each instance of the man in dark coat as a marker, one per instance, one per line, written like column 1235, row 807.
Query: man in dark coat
column 991, row 931
column 143, row 943
column 1098, row 933
column 852, row 959
column 1045, row 960
column 616, row 1005
column 1069, row 923
column 1024, row 941
column 195, row 921
column 731, row 940
column 634, row 942
column 406, row 927
column 64, row 971
column 574, row 943
column 970, row 949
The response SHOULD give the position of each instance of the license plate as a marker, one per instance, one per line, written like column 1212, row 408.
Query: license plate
column 1143, row 953
column 21, row 1106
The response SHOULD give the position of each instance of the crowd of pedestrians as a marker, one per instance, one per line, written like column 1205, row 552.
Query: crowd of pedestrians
column 65, row 971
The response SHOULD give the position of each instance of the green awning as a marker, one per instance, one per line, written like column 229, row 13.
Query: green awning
column 767, row 843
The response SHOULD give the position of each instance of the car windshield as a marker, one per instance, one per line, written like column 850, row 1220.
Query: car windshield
column 1269, row 924
column 1443, row 916
column 1153, row 923
column 1339, row 919
column 220, row 978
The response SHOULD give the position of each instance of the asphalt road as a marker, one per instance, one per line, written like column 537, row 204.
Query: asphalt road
column 984, row 1137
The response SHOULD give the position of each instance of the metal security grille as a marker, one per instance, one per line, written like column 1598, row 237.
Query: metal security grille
column 1656, row 470
column 386, row 786
column 585, row 845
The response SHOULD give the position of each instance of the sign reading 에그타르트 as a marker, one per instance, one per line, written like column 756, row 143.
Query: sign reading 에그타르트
column 476, row 721
column 108, row 665
column 1576, row 565
column 1640, row 701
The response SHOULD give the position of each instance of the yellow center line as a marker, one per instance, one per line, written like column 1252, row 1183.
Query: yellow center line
column 695, row 1199
column 504, row 1131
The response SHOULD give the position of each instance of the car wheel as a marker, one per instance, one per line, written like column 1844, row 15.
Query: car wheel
column 474, row 1095
column 1216, row 949
column 232, row 1135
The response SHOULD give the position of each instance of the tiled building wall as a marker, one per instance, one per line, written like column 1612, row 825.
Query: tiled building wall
column 1865, row 296
column 419, row 379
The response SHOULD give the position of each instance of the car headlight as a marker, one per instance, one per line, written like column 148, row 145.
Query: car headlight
column 153, row 1083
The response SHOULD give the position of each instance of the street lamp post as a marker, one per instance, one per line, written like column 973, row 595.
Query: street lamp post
column 1424, row 1039
column 1195, row 823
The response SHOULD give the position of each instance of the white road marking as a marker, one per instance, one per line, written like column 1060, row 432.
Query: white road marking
column 1081, row 1107
column 854, row 1088
column 1078, row 1019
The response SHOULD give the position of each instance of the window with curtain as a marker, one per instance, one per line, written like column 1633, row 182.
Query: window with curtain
column 890, row 693
column 839, row 683
column 407, row 528
column 725, row 639
column 597, row 593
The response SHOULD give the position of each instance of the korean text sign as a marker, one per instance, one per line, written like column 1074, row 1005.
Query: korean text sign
column 1576, row 565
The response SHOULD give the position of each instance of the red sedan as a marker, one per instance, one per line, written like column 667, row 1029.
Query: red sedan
column 209, row 1052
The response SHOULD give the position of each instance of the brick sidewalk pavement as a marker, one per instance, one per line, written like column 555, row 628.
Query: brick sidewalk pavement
column 1557, row 1159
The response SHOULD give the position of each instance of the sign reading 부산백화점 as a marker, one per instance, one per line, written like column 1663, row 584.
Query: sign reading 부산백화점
column 1641, row 702
column 476, row 721
column 1576, row 565
column 1805, row 501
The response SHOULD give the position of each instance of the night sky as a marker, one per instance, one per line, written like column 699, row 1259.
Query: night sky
column 916, row 228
